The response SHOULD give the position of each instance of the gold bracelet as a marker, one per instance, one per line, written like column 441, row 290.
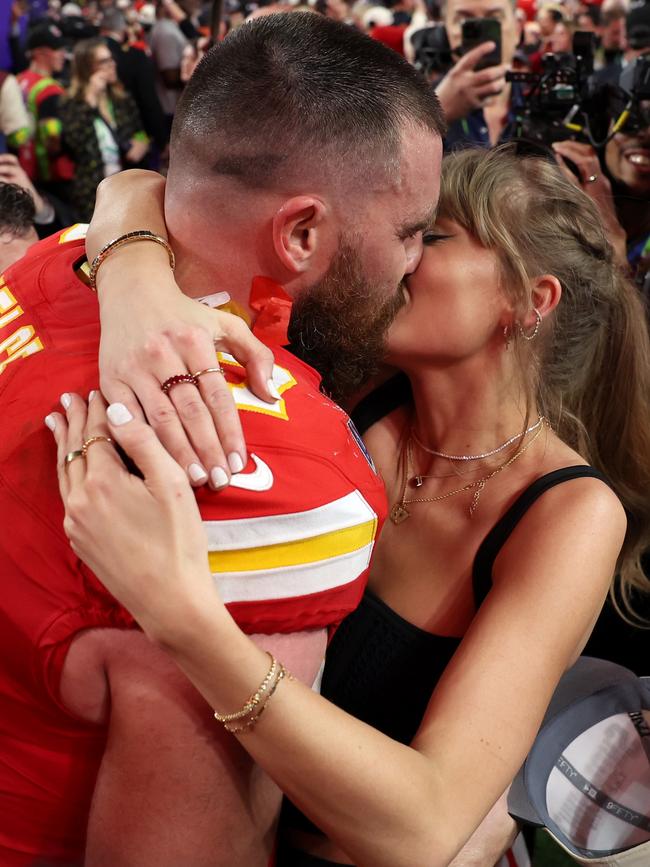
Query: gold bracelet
column 236, row 729
column 121, row 241
column 255, row 698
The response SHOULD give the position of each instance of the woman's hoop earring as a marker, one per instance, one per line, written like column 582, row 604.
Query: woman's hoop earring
column 507, row 333
column 538, row 322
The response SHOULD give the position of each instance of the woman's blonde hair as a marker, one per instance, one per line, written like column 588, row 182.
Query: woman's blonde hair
column 589, row 369
column 83, row 67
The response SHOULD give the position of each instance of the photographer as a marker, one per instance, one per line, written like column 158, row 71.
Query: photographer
column 477, row 102
column 617, row 175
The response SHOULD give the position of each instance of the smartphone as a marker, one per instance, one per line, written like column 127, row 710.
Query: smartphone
column 475, row 32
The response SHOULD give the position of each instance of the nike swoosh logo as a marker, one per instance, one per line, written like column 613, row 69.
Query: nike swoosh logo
column 261, row 479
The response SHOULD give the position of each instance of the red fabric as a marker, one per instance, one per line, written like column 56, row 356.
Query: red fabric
column 49, row 335
column 273, row 307
column 391, row 35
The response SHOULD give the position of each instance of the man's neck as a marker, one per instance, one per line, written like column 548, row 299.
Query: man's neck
column 40, row 69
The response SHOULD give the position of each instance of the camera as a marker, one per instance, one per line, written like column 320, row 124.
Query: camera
column 553, row 103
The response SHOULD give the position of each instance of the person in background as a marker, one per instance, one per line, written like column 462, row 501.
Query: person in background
column 136, row 73
column 561, row 39
column 612, row 32
column 548, row 15
column 46, row 218
column 101, row 124
column 42, row 157
column 15, row 127
column 167, row 42
column 17, row 232
column 477, row 104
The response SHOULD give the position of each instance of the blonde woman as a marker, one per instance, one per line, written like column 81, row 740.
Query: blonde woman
column 517, row 470
column 102, row 129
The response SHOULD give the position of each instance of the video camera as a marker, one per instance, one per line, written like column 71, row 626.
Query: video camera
column 564, row 102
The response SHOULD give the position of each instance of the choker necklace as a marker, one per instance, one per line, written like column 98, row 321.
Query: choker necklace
column 489, row 454
column 400, row 513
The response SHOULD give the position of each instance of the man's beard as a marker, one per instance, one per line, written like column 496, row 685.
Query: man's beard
column 339, row 326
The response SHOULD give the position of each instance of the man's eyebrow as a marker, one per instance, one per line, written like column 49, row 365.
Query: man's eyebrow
column 409, row 227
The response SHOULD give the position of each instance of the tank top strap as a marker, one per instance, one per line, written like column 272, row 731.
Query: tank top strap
column 499, row 534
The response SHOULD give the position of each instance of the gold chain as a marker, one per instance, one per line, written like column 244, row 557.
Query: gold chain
column 400, row 513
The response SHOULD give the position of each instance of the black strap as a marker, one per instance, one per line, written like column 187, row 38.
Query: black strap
column 499, row 534
column 383, row 400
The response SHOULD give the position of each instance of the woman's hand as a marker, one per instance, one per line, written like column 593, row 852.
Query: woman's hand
column 151, row 331
column 142, row 538
column 596, row 185
column 96, row 87
column 137, row 150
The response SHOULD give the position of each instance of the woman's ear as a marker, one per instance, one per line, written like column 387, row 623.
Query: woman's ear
column 299, row 227
column 546, row 295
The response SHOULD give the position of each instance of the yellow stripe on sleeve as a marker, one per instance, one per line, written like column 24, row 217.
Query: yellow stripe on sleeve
column 295, row 553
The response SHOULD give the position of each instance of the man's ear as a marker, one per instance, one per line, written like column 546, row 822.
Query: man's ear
column 299, row 230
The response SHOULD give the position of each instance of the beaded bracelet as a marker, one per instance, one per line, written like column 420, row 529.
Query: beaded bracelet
column 121, row 241
column 236, row 729
column 255, row 698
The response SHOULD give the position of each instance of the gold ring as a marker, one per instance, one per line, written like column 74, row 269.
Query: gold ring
column 91, row 440
column 198, row 373
column 72, row 456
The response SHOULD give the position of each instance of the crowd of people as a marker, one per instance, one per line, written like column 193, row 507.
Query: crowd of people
column 242, row 626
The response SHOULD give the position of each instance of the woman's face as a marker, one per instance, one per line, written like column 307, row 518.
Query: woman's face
column 103, row 62
column 454, row 307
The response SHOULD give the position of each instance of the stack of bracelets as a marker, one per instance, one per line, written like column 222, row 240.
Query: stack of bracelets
column 253, row 709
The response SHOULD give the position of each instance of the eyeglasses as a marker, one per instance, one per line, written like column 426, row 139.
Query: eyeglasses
column 103, row 61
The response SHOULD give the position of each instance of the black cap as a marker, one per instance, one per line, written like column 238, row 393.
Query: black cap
column 637, row 25
column 45, row 36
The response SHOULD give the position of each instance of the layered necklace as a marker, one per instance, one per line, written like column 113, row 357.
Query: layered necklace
column 400, row 513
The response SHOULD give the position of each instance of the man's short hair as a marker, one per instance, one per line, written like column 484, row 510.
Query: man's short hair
column 290, row 94
column 17, row 210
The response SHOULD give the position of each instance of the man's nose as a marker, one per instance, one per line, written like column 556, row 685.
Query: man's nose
column 414, row 253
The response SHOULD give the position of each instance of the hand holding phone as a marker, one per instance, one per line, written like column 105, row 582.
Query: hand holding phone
column 476, row 31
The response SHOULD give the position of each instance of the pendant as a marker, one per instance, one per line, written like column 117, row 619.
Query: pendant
column 398, row 513
column 417, row 481
column 477, row 493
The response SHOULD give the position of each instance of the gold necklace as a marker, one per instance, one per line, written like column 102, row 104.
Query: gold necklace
column 400, row 513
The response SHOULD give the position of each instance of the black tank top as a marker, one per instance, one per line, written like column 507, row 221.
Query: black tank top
column 382, row 669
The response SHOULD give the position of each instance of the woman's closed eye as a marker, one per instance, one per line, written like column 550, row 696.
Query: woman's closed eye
column 431, row 238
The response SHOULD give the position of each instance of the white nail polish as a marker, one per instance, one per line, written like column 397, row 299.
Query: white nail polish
column 91, row 394
column 66, row 400
column 273, row 390
column 50, row 421
column 197, row 473
column 118, row 414
column 218, row 477
column 235, row 463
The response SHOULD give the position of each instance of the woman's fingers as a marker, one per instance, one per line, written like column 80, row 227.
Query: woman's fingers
column 75, row 413
column 142, row 445
column 101, row 456
column 235, row 337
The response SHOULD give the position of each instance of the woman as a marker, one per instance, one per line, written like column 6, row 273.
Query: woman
column 101, row 126
column 516, row 332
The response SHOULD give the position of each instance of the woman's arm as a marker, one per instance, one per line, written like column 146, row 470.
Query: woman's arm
column 383, row 803
column 150, row 331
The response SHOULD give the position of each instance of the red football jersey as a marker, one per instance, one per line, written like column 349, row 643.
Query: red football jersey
column 290, row 539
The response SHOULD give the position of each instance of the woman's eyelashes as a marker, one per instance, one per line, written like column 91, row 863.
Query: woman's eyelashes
column 431, row 238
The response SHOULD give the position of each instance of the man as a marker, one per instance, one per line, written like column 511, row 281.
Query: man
column 320, row 179
column 17, row 232
column 41, row 157
column 477, row 103
column 136, row 72
column 167, row 43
